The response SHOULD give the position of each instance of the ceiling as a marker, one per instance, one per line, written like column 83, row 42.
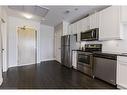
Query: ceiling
column 56, row 14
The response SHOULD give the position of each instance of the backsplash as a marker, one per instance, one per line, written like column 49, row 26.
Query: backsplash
column 112, row 45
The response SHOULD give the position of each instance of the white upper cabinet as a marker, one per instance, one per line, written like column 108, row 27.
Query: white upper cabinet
column 94, row 20
column 74, row 28
column 65, row 28
column 79, row 29
column 79, row 26
column 86, row 24
column 124, row 14
column 69, row 29
column 109, row 23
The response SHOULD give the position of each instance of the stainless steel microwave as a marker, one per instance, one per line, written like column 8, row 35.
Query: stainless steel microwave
column 90, row 35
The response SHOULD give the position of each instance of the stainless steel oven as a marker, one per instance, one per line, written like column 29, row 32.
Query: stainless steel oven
column 85, row 58
column 85, row 62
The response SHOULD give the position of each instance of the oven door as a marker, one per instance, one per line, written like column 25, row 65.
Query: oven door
column 85, row 59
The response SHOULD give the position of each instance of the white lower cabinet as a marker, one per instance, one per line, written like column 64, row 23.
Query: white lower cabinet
column 74, row 59
column 122, row 72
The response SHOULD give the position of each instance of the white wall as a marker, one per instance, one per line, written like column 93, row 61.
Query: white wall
column 13, row 24
column 113, row 45
column 46, row 43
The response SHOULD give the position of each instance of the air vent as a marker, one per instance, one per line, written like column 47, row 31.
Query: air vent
column 35, row 10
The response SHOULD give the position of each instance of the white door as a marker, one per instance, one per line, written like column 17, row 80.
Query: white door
column 58, row 34
column 26, row 46
column 1, row 54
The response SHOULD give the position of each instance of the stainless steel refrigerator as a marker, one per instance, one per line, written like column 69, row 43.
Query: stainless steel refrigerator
column 68, row 43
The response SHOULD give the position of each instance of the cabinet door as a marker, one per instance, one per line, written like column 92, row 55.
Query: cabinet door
column 109, row 23
column 86, row 24
column 79, row 26
column 124, row 14
column 69, row 29
column 121, row 74
column 122, row 71
column 74, row 28
column 79, row 29
column 94, row 20
column 74, row 59
column 65, row 28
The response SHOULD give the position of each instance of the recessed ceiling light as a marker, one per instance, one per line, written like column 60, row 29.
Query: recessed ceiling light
column 76, row 9
column 28, row 16
column 67, row 12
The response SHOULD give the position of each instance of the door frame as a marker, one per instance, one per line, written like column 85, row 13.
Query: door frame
column 1, row 41
column 35, row 45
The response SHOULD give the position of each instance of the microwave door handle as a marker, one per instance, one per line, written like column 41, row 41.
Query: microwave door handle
column 92, row 33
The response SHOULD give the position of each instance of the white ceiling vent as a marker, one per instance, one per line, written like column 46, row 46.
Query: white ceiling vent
column 34, row 10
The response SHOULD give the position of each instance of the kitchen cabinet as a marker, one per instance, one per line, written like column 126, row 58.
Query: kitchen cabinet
column 122, row 71
column 86, row 24
column 74, row 59
column 124, row 14
column 69, row 29
column 109, row 23
column 74, row 28
column 79, row 29
column 94, row 20
column 65, row 26
column 79, row 26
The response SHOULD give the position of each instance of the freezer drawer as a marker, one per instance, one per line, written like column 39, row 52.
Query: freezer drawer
column 105, row 69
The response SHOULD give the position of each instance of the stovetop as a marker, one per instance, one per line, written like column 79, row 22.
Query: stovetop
column 97, row 49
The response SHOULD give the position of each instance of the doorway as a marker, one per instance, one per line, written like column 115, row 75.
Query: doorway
column 57, row 41
column 26, row 46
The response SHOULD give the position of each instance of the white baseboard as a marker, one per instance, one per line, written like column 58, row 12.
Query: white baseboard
column 26, row 64
column 21, row 65
column 30, row 63
column 47, row 60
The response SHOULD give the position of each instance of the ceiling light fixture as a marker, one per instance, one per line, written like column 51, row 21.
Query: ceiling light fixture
column 76, row 9
column 28, row 16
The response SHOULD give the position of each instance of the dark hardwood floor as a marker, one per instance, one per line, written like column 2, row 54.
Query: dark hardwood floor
column 49, row 75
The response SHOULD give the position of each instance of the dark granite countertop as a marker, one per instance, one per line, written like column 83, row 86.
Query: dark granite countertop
column 105, row 52
column 123, row 55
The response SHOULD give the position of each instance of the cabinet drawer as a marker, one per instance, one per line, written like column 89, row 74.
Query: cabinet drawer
column 122, row 59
